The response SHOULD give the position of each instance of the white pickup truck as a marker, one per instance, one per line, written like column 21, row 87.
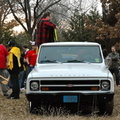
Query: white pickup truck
column 71, row 74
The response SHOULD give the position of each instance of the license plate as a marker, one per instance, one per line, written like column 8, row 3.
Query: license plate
column 70, row 99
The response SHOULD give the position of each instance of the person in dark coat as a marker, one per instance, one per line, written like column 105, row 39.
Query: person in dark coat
column 14, row 69
column 45, row 30
column 113, row 58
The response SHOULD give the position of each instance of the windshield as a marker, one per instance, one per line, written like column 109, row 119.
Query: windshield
column 69, row 54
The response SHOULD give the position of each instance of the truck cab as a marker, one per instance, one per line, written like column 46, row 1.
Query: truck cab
column 71, row 73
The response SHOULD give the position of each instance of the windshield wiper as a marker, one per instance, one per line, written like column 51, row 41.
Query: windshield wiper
column 50, row 61
column 76, row 61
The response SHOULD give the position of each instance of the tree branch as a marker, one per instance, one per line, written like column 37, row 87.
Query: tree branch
column 11, row 8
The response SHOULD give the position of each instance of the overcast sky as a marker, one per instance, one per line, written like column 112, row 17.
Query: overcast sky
column 87, row 4
column 99, row 7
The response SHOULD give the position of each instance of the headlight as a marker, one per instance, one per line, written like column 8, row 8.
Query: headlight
column 105, row 85
column 34, row 86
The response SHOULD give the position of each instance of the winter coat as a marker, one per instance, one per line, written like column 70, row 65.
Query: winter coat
column 44, row 32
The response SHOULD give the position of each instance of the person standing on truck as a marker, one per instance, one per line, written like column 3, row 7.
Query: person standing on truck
column 45, row 30
column 113, row 59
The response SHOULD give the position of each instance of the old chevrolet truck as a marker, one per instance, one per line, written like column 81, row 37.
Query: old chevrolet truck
column 72, row 74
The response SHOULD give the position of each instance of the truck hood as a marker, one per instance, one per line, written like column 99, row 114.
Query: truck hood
column 69, row 70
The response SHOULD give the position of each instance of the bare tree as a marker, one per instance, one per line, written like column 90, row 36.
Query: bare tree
column 5, row 25
column 4, row 12
column 28, row 12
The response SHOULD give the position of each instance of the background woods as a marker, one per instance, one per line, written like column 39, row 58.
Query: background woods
column 108, row 27
column 78, row 20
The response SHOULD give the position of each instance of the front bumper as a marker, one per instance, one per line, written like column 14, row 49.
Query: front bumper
column 81, row 98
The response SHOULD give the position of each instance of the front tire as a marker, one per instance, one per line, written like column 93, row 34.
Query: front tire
column 106, row 108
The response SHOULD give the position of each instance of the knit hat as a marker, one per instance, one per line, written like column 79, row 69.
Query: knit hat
column 11, row 43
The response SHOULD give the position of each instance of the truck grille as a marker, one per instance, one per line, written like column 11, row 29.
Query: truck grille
column 69, row 85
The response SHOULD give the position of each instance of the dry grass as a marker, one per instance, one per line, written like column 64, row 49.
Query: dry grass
column 18, row 110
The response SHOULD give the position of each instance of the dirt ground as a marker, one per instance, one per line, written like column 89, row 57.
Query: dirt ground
column 18, row 110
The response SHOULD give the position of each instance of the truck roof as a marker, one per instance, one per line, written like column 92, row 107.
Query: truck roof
column 70, row 43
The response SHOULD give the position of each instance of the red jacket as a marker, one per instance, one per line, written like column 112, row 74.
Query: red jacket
column 32, row 56
column 3, row 55
column 44, row 32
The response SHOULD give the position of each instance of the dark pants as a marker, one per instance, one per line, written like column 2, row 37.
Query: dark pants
column 15, row 85
column 116, row 72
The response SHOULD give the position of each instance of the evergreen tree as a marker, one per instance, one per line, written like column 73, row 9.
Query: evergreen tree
column 77, row 27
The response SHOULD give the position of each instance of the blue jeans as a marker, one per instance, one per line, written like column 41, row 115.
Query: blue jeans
column 29, row 69
column 4, row 73
column 21, row 78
